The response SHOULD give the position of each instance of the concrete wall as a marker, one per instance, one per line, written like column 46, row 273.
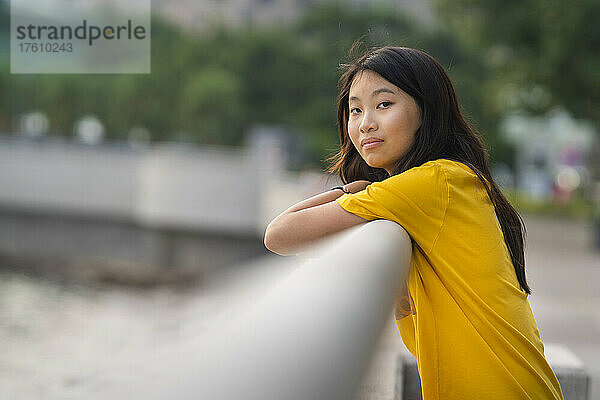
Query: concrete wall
column 158, row 187
column 164, row 205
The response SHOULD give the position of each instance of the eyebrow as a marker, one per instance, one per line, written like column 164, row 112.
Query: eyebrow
column 375, row 93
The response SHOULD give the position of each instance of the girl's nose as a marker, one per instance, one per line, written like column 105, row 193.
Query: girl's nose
column 368, row 124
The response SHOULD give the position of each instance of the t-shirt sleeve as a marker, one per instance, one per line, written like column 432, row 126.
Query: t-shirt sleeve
column 416, row 199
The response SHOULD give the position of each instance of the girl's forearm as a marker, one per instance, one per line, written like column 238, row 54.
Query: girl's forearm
column 288, row 231
column 279, row 238
column 316, row 200
column 328, row 196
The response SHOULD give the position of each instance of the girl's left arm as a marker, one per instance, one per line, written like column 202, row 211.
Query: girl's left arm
column 310, row 220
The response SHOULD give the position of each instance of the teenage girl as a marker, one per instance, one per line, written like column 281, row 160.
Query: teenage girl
column 407, row 155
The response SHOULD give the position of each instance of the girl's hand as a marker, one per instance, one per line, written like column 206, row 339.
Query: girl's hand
column 357, row 186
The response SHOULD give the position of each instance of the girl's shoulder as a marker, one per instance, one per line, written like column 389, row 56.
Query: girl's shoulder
column 439, row 173
column 461, row 174
column 456, row 167
column 447, row 168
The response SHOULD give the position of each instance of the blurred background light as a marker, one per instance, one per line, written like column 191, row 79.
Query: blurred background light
column 34, row 124
column 89, row 130
column 568, row 179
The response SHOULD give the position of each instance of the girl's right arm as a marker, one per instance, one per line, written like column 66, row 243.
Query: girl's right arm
column 310, row 220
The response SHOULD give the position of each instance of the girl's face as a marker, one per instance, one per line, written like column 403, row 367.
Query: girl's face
column 382, row 121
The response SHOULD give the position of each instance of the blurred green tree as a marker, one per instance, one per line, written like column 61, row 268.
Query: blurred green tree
column 549, row 44
column 213, row 86
column 4, row 65
column 210, row 105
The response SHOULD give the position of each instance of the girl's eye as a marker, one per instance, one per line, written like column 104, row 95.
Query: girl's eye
column 385, row 104
column 354, row 110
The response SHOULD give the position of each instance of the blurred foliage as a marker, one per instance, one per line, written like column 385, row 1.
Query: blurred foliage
column 4, row 65
column 212, row 87
column 548, row 48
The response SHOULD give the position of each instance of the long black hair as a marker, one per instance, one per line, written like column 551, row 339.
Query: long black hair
column 444, row 133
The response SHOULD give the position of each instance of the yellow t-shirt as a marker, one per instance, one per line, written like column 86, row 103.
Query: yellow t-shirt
column 465, row 319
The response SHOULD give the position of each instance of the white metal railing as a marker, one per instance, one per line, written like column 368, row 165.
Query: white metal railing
column 308, row 337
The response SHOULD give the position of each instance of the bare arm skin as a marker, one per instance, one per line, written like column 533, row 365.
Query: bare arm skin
column 310, row 220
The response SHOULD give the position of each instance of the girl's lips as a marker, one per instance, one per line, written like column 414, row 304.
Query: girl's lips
column 372, row 144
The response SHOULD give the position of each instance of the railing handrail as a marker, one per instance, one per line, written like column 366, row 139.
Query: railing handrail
column 309, row 337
